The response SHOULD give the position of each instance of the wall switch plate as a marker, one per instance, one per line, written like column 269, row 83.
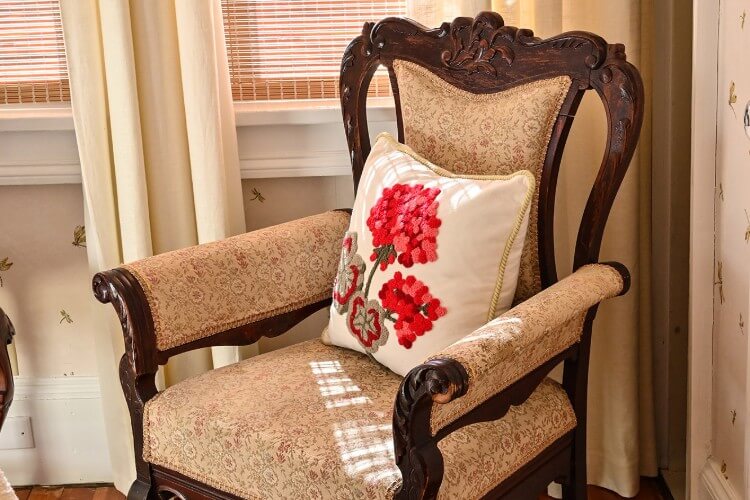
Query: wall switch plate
column 16, row 434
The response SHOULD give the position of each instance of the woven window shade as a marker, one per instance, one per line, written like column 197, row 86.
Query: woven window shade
column 32, row 53
column 292, row 49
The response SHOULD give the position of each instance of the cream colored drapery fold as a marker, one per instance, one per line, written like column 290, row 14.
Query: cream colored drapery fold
column 157, row 143
column 621, row 442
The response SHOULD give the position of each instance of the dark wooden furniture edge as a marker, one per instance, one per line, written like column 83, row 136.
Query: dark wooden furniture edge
column 169, row 484
column 6, row 372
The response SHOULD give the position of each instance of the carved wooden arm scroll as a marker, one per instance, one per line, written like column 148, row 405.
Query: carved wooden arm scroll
column 436, row 381
column 138, row 366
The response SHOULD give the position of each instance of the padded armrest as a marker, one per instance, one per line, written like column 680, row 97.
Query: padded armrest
column 202, row 290
column 532, row 333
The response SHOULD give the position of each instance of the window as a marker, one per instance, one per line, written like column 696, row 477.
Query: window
column 292, row 49
column 278, row 49
column 32, row 53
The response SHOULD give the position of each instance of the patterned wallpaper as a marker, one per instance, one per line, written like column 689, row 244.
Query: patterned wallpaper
column 732, row 244
column 45, row 284
column 44, row 280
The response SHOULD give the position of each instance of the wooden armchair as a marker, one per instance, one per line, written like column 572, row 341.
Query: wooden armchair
column 479, row 419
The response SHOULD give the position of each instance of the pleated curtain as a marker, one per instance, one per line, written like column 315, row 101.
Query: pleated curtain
column 621, row 441
column 156, row 137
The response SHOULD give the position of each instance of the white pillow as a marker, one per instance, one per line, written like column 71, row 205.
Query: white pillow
column 429, row 257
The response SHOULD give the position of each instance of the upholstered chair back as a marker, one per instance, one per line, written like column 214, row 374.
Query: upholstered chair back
column 483, row 134
column 478, row 97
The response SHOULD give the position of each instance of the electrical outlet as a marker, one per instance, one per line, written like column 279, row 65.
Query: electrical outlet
column 16, row 434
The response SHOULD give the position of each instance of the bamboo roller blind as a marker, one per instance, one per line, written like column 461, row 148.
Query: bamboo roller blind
column 32, row 53
column 292, row 49
column 278, row 49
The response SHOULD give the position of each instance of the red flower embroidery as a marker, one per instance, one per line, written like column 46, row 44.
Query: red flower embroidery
column 416, row 308
column 366, row 321
column 404, row 226
column 350, row 275
column 404, row 223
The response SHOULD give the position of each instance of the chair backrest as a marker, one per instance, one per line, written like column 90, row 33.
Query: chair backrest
column 476, row 96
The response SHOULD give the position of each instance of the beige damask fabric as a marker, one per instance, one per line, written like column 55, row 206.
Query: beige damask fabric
column 314, row 421
column 198, row 291
column 512, row 345
column 483, row 134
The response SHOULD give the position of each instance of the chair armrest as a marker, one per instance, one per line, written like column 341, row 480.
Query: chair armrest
column 484, row 363
column 196, row 292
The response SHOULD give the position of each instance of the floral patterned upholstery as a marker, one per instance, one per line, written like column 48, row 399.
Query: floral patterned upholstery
column 314, row 421
column 198, row 291
column 511, row 132
column 540, row 328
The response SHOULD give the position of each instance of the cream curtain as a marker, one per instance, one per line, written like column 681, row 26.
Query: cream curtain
column 621, row 442
column 156, row 137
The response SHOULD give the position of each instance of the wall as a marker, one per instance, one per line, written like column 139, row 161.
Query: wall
column 720, row 241
column 732, row 247
column 295, row 158
column 57, row 386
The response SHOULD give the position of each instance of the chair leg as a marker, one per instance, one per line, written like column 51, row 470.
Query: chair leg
column 141, row 490
column 575, row 487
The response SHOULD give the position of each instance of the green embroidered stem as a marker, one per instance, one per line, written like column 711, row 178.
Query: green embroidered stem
column 382, row 254
column 372, row 274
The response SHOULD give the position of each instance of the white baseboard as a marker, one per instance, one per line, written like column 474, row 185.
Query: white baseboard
column 715, row 485
column 70, row 444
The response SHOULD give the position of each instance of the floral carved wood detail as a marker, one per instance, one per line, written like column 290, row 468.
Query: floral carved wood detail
column 489, row 42
column 486, row 41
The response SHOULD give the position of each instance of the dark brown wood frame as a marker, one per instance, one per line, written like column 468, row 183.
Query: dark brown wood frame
column 479, row 55
column 6, row 372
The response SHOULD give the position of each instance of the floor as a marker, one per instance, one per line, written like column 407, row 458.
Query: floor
column 69, row 493
column 649, row 491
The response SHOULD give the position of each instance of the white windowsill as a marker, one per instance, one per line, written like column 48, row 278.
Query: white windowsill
column 36, row 118
column 379, row 109
column 44, row 117
column 292, row 121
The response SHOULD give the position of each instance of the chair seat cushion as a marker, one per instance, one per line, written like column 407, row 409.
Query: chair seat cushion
column 314, row 421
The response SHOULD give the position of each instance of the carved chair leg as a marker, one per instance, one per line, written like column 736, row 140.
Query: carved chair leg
column 141, row 490
column 575, row 382
column 422, row 473
column 137, row 391
column 575, row 486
